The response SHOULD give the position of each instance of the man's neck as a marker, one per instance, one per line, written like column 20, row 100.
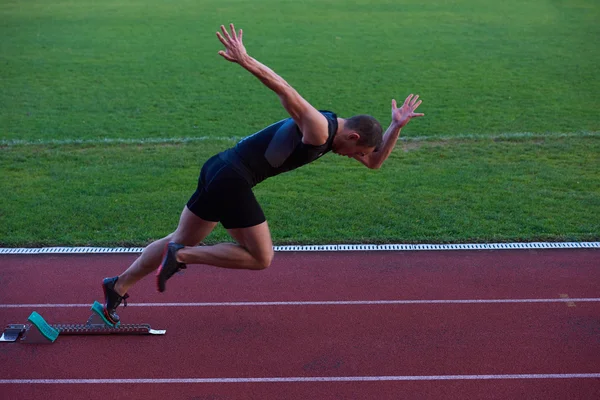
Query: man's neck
column 341, row 124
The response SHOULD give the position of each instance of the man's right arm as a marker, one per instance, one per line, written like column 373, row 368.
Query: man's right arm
column 312, row 123
column 400, row 117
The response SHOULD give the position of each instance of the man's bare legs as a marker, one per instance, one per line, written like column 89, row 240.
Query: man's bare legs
column 254, row 251
column 190, row 232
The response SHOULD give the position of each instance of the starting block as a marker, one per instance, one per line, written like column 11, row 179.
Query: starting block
column 40, row 331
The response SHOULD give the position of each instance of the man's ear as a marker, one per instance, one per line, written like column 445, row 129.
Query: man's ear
column 353, row 136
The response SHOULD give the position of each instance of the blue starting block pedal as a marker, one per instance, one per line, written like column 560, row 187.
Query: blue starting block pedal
column 98, row 310
column 40, row 331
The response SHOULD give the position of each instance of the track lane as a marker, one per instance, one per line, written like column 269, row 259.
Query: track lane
column 329, row 341
column 490, row 390
column 318, row 276
column 323, row 340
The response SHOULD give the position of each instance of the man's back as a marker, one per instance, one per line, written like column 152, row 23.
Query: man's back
column 276, row 149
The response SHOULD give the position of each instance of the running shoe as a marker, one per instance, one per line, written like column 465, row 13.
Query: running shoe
column 112, row 299
column 169, row 266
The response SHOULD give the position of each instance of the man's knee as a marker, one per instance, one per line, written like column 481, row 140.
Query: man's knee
column 265, row 258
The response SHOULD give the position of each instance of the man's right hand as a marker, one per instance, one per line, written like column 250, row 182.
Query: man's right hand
column 402, row 116
column 234, row 48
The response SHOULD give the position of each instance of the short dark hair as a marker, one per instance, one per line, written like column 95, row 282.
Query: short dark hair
column 368, row 128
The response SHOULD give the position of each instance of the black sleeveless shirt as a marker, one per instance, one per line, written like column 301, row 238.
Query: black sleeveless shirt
column 276, row 149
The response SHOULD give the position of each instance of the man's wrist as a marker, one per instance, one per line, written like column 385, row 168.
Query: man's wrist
column 246, row 61
column 396, row 125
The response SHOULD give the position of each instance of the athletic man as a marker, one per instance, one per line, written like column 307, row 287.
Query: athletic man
column 224, row 192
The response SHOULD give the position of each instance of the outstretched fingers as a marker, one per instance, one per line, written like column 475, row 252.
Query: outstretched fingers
column 230, row 41
column 414, row 100
column 225, row 33
column 404, row 114
column 222, row 39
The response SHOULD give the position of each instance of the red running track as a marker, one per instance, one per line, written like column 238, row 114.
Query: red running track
column 324, row 340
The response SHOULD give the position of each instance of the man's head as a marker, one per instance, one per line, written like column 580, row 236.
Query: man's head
column 360, row 135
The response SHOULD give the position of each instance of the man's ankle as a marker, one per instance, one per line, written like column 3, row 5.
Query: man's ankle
column 179, row 256
column 119, row 287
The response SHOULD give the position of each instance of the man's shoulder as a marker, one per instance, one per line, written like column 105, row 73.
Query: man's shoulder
column 327, row 112
column 332, row 120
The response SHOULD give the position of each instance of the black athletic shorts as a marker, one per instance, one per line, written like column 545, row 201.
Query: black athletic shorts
column 223, row 195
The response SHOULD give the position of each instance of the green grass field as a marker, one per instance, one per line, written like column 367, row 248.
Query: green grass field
column 108, row 109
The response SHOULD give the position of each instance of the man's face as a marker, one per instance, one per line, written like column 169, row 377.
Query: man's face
column 349, row 148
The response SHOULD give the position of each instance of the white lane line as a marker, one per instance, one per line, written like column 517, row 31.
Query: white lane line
column 328, row 248
column 313, row 303
column 301, row 379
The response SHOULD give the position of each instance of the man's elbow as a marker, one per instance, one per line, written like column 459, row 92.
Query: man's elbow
column 373, row 165
column 374, row 162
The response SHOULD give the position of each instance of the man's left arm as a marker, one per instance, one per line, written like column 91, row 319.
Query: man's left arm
column 400, row 117
column 312, row 123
